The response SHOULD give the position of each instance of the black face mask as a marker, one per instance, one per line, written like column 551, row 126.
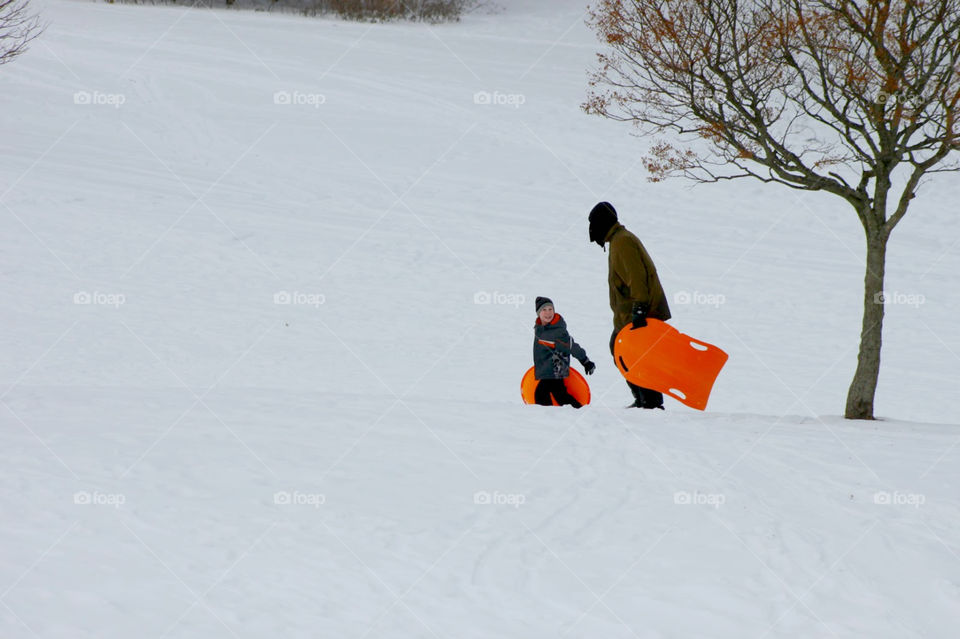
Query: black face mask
column 596, row 235
column 602, row 218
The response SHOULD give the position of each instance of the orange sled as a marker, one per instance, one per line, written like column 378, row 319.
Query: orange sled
column 575, row 383
column 659, row 357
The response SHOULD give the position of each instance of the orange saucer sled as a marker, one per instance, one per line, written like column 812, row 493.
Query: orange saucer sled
column 659, row 357
column 575, row 383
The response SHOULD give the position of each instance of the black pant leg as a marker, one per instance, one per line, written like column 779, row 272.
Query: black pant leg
column 558, row 390
column 635, row 390
column 542, row 393
column 563, row 396
column 645, row 397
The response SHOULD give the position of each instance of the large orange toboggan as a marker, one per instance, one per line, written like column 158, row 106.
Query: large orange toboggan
column 659, row 357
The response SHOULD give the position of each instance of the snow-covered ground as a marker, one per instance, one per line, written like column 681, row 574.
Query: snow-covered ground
column 267, row 298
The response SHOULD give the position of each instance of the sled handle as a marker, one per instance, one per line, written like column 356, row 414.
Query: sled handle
column 699, row 346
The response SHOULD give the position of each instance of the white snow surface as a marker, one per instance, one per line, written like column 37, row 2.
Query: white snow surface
column 182, row 456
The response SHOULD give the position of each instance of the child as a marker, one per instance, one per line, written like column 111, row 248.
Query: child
column 552, row 346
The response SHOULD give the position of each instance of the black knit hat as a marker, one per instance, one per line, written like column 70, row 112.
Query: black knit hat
column 543, row 301
column 602, row 218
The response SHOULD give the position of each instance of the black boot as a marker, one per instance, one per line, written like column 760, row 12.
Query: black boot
column 646, row 398
column 637, row 396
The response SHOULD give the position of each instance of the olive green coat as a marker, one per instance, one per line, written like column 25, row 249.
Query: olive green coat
column 632, row 278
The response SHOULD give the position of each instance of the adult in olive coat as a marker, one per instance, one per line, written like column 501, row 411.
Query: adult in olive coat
column 635, row 289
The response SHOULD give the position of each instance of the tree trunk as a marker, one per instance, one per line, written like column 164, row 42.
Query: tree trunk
column 864, row 385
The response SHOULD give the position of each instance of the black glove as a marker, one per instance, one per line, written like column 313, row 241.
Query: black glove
column 589, row 367
column 639, row 315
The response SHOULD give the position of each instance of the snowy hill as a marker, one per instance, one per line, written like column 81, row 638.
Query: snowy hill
column 267, row 298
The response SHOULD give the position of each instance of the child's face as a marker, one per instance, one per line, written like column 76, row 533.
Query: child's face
column 546, row 313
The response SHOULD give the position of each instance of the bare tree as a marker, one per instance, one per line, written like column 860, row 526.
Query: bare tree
column 17, row 28
column 857, row 99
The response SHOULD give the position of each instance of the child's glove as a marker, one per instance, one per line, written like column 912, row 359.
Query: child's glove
column 639, row 315
column 589, row 367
